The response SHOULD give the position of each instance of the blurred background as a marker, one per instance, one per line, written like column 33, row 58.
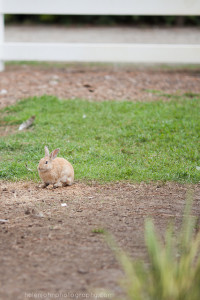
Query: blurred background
column 103, row 29
column 104, row 20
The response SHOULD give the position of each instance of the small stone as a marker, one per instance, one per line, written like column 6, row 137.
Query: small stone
column 3, row 92
column 40, row 215
column 82, row 271
column 3, row 221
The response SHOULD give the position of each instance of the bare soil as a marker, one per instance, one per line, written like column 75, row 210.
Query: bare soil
column 95, row 83
column 49, row 248
column 50, row 251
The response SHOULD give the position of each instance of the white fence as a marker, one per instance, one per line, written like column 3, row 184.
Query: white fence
column 151, row 53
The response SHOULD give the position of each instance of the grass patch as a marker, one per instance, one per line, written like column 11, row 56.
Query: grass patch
column 130, row 66
column 105, row 141
column 176, row 95
column 98, row 230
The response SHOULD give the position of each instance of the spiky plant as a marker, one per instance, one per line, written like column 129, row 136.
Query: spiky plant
column 173, row 272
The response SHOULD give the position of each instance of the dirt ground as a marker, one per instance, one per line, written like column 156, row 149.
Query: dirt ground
column 95, row 83
column 48, row 247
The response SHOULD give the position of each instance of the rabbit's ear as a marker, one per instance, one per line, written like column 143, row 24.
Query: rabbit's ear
column 46, row 151
column 54, row 153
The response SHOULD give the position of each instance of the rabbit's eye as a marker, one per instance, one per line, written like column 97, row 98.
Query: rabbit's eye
column 46, row 162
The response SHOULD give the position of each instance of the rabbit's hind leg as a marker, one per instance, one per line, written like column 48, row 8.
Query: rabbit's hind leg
column 67, row 181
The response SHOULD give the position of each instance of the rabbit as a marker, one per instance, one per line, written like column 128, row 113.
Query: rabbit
column 55, row 170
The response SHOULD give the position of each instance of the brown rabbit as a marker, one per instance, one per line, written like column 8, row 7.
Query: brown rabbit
column 55, row 170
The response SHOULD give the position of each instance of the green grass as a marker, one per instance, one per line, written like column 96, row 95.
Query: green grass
column 115, row 141
column 173, row 271
column 132, row 66
column 98, row 230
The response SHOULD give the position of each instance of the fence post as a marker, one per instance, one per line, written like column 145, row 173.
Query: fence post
column 1, row 41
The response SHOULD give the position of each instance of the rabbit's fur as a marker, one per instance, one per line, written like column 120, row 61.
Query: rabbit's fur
column 55, row 170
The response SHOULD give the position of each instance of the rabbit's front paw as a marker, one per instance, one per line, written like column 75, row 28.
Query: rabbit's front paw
column 57, row 184
column 43, row 186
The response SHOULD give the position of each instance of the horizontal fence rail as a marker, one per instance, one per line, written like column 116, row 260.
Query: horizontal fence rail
column 102, row 52
column 103, row 7
column 138, row 53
